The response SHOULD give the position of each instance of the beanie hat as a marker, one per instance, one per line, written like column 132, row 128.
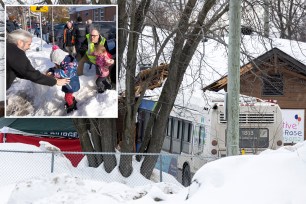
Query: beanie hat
column 57, row 55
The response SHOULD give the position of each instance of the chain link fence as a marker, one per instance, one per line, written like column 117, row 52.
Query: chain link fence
column 17, row 166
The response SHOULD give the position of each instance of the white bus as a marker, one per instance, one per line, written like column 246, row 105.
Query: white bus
column 199, row 136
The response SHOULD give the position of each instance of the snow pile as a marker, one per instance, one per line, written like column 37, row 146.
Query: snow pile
column 274, row 176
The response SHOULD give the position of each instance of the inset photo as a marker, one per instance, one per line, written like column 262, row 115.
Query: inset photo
column 61, row 61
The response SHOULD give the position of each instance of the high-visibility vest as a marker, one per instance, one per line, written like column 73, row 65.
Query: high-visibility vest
column 91, row 48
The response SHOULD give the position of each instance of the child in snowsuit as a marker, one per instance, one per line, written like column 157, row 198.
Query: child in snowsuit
column 65, row 67
column 103, row 62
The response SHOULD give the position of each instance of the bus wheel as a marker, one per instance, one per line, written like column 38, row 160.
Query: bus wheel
column 186, row 177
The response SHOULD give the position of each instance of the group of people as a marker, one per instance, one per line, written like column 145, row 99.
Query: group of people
column 45, row 29
column 90, row 48
column 74, row 35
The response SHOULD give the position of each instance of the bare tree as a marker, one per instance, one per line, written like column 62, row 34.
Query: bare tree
column 136, row 23
column 186, row 41
column 188, row 33
column 285, row 17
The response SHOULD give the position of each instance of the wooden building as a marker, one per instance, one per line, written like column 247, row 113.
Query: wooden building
column 273, row 76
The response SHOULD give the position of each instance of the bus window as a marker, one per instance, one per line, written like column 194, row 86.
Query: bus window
column 201, row 135
column 169, row 126
column 178, row 129
column 141, row 125
column 254, row 138
column 183, row 130
column 189, row 132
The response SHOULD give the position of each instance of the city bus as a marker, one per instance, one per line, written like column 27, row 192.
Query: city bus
column 199, row 135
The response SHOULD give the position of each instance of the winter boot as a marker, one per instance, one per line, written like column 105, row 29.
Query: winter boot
column 107, row 84
column 72, row 107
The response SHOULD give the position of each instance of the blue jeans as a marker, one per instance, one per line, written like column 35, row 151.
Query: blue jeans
column 46, row 37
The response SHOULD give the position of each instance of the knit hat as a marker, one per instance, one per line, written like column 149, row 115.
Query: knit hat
column 57, row 55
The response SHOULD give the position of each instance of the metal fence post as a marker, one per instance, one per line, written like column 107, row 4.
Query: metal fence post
column 52, row 162
column 161, row 168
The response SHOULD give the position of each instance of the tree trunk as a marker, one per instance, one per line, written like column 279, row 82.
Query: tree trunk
column 167, row 97
column 137, row 20
column 96, row 139
column 81, row 127
column 106, row 127
column 122, row 31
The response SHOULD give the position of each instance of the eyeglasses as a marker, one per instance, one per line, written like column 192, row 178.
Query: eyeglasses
column 93, row 35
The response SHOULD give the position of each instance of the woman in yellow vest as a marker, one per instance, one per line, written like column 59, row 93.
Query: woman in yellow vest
column 92, row 39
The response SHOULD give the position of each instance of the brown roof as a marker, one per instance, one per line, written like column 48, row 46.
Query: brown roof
column 294, row 65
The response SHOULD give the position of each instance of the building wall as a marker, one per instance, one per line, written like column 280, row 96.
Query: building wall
column 109, row 14
column 294, row 91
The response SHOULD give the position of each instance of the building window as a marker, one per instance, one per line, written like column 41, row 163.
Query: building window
column 101, row 14
column 273, row 85
column 96, row 15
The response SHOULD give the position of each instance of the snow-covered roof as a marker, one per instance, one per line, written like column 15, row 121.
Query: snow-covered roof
column 210, row 62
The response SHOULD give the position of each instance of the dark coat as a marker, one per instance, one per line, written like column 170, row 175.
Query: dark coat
column 10, row 26
column 18, row 65
column 45, row 29
column 80, row 33
column 69, row 37
column 80, row 30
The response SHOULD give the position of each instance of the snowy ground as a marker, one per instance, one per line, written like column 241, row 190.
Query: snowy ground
column 28, row 99
column 275, row 176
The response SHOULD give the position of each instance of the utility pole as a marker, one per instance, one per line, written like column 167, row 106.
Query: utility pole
column 232, row 140
column 52, row 27
column 40, row 31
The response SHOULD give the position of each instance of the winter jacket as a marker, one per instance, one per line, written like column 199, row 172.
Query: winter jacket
column 37, row 31
column 68, row 69
column 102, row 69
column 16, row 25
column 10, row 26
column 69, row 37
column 45, row 29
column 18, row 65
column 80, row 32
column 88, row 47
